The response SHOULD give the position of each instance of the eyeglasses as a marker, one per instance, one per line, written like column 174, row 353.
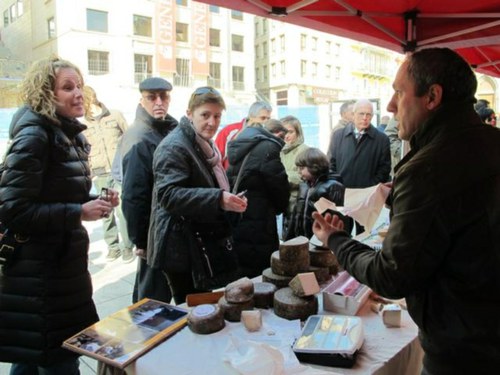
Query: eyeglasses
column 206, row 90
column 153, row 97
column 364, row 114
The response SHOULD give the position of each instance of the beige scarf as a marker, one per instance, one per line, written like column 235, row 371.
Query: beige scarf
column 214, row 159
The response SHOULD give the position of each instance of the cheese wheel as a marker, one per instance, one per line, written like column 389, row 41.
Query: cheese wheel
column 305, row 284
column 232, row 311
column 289, row 306
column 239, row 291
column 252, row 320
column 291, row 268
column 205, row 319
column 263, row 294
column 280, row 281
column 322, row 273
column 295, row 249
column 322, row 258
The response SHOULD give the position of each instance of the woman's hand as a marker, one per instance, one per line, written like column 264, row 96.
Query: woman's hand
column 232, row 202
column 323, row 227
column 96, row 209
column 113, row 197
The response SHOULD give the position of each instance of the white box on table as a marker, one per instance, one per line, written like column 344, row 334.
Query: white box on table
column 344, row 304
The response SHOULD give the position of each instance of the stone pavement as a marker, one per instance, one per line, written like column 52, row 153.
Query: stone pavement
column 113, row 283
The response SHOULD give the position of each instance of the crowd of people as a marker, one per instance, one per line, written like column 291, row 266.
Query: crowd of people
column 198, row 207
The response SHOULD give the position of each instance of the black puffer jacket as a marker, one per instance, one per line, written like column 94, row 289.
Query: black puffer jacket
column 137, row 148
column 442, row 250
column 268, row 193
column 301, row 219
column 186, row 197
column 45, row 290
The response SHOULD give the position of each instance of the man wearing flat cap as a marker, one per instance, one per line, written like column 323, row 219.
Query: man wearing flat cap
column 152, row 123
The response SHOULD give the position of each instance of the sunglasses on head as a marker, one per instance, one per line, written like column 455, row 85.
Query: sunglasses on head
column 206, row 90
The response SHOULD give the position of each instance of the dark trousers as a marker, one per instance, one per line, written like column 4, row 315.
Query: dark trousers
column 67, row 367
column 150, row 283
column 181, row 284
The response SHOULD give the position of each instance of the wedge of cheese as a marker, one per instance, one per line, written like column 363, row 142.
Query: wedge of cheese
column 304, row 284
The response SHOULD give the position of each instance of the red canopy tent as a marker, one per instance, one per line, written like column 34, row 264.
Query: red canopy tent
column 472, row 28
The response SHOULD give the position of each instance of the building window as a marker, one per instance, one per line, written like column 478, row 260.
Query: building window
column 6, row 18
column 182, row 76
column 264, row 73
column 257, row 76
column 13, row 13
column 303, row 41
column 328, row 47
column 214, row 9
column 273, row 69
column 282, row 43
column 337, row 73
column 183, row 3
column 264, row 25
column 237, row 43
column 236, row 15
column 20, row 8
column 273, row 45
column 51, row 28
column 214, row 38
column 142, row 26
column 238, row 78
column 282, row 97
column 97, row 20
column 143, row 67
column 98, row 62
column 257, row 54
column 181, row 32
column 314, row 43
column 264, row 49
column 283, row 67
column 303, row 68
column 314, row 69
column 214, row 78
column 337, row 49
column 328, row 71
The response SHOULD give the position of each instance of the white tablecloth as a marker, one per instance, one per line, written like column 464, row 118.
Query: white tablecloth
column 385, row 350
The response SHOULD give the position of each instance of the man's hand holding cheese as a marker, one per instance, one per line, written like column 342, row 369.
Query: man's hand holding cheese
column 323, row 227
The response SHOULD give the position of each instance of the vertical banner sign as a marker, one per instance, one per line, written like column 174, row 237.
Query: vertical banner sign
column 165, row 36
column 199, row 45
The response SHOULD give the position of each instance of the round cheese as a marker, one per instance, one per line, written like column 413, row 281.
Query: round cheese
column 263, row 294
column 289, row 306
column 232, row 311
column 205, row 319
column 322, row 273
column 288, row 268
column 296, row 249
column 322, row 258
column 239, row 291
column 280, row 281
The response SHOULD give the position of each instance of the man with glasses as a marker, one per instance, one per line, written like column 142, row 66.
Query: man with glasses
column 360, row 153
column 151, row 125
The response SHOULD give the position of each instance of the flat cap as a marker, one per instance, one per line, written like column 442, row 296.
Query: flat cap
column 155, row 84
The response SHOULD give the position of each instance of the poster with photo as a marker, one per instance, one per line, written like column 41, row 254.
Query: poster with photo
column 124, row 336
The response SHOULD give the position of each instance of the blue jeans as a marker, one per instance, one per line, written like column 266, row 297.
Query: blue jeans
column 67, row 367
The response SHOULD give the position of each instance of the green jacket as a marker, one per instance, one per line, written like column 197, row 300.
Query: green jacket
column 442, row 250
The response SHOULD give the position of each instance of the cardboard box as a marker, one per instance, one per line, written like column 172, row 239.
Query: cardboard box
column 344, row 295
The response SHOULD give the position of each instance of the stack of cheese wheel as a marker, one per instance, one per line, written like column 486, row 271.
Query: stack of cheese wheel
column 238, row 296
column 323, row 263
column 291, row 258
column 299, row 300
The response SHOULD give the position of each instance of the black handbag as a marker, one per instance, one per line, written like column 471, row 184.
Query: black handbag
column 214, row 263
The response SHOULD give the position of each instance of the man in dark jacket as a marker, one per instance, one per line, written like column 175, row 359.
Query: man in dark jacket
column 265, row 181
column 151, row 125
column 442, row 250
